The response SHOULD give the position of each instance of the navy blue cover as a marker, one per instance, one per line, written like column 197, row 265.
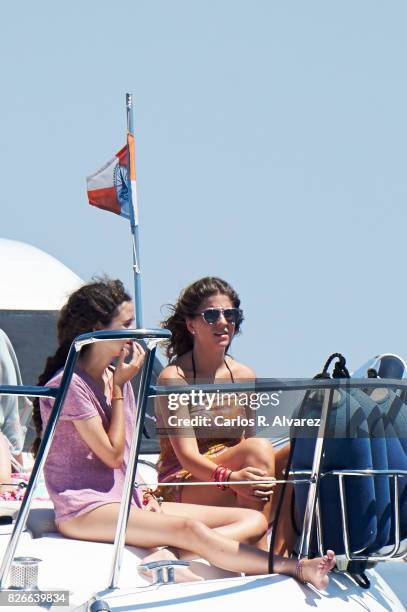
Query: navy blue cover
column 361, row 434
column 393, row 410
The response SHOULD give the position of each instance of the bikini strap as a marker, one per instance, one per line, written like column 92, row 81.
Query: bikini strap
column 230, row 371
column 194, row 368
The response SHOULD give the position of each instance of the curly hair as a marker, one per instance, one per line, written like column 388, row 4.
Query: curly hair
column 93, row 303
column 187, row 305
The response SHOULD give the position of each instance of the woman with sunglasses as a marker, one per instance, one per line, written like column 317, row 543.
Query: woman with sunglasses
column 203, row 323
column 86, row 464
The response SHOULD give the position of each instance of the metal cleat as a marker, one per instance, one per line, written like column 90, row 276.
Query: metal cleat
column 163, row 571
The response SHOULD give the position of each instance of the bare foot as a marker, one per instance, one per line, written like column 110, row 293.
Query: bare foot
column 315, row 571
column 181, row 574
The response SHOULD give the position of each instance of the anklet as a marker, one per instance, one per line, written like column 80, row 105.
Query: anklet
column 299, row 571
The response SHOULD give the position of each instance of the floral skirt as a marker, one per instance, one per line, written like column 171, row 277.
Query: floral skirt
column 173, row 492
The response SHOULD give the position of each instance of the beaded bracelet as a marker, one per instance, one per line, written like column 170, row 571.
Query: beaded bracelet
column 221, row 475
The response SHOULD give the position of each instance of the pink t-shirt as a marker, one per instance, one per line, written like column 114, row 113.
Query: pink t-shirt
column 76, row 479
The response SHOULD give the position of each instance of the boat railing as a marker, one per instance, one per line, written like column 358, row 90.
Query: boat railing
column 394, row 475
column 314, row 476
column 152, row 337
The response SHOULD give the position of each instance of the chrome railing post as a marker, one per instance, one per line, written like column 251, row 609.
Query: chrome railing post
column 38, row 464
column 397, row 526
column 315, row 476
column 128, row 486
column 60, row 393
column 395, row 511
column 320, row 535
column 345, row 528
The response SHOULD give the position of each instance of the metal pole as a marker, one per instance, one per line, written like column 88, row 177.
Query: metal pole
column 315, row 476
column 137, row 275
column 128, row 486
column 38, row 464
column 134, row 215
column 129, row 108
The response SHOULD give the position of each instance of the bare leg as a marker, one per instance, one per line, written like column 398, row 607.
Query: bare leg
column 313, row 571
column 240, row 524
column 255, row 452
column 285, row 536
column 281, row 459
column 148, row 529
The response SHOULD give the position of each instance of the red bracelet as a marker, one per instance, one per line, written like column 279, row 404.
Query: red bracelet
column 221, row 475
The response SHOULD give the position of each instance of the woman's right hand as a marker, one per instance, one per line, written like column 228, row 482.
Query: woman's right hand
column 123, row 371
column 262, row 489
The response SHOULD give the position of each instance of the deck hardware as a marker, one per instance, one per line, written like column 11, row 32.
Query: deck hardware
column 99, row 605
column 341, row 562
column 163, row 571
column 24, row 573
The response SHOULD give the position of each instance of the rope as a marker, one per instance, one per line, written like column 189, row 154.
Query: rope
column 340, row 369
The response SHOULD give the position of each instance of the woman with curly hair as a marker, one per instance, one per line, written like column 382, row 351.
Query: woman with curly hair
column 86, row 464
column 203, row 323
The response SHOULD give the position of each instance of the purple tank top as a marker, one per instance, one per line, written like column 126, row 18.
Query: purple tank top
column 76, row 479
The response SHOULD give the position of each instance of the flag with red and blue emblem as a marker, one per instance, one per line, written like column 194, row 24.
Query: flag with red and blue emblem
column 111, row 188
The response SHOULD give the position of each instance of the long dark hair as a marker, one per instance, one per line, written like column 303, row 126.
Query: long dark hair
column 187, row 305
column 93, row 303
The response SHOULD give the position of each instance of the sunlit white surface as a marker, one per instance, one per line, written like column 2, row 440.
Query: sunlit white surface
column 30, row 279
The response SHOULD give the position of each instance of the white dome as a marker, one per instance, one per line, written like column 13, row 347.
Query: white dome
column 31, row 279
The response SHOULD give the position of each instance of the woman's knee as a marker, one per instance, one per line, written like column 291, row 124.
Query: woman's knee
column 259, row 451
column 194, row 531
column 261, row 522
column 257, row 522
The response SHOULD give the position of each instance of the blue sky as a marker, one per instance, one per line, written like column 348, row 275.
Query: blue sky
column 271, row 151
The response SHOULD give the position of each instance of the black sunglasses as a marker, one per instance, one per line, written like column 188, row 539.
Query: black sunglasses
column 212, row 315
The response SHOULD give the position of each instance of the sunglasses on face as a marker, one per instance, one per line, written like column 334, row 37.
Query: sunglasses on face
column 212, row 315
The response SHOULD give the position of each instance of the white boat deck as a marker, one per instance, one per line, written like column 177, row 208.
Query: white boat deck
column 83, row 568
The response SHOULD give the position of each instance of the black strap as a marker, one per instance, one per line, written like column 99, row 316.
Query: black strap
column 356, row 569
column 230, row 371
column 224, row 361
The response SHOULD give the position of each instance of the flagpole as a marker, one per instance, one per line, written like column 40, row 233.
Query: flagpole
column 134, row 216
